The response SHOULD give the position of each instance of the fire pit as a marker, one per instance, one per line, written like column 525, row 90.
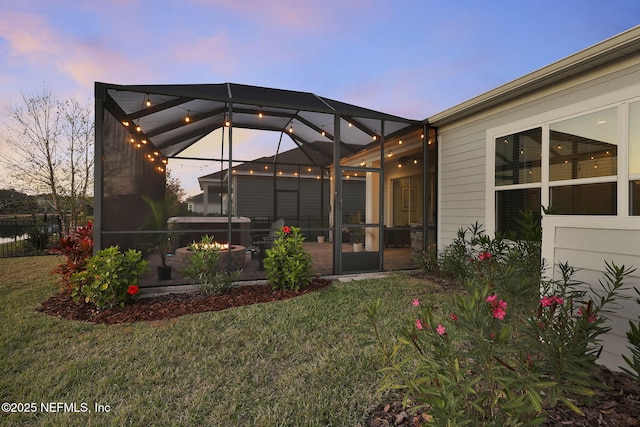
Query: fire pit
column 238, row 255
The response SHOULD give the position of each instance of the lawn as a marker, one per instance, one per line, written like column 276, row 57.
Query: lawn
column 308, row 361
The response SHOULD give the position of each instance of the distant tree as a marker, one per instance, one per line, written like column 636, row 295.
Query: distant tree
column 49, row 150
column 178, row 194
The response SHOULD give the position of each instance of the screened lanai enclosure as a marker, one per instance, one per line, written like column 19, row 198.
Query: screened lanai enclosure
column 361, row 179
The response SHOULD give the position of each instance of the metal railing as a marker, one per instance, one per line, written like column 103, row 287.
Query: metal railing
column 27, row 235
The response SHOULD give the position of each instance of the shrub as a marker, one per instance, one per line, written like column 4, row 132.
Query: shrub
column 287, row 264
column 499, row 357
column 77, row 246
column 204, row 268
column 633, row 335
column 110, row 278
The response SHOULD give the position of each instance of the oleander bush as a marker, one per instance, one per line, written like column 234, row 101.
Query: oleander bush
column 287, row 264
column 204, row 268
column 508, row 347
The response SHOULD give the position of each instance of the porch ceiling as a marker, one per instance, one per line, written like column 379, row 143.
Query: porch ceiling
column 160, row 112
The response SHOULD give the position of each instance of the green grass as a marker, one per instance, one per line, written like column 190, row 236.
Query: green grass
column 308, row 361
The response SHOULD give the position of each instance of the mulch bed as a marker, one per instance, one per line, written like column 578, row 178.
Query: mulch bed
column 169, row 306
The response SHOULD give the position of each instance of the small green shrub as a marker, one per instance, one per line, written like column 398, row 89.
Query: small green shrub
column 110, row 277
column 205, row 270
column 287, row 264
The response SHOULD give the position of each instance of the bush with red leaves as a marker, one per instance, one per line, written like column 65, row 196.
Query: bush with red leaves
column 77, row 246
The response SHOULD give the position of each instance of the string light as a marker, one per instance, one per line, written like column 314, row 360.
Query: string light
column 260, row 114
column 138, row 128
column 389, row 153
column 291, row 129
column 187, row 119
column 148, row 101
column 126, row 123
column 400, row 142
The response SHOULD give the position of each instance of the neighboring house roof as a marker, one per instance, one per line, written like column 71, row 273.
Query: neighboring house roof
column 214, row 197
column 612, row 49
column 315, row 153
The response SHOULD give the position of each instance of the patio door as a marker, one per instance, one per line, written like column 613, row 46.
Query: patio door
column 361, row 222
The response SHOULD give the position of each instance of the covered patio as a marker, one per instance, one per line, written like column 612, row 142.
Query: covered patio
column 140, row 128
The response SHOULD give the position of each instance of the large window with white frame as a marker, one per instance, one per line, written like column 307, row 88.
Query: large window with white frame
column 634, row 158
column 572, row 165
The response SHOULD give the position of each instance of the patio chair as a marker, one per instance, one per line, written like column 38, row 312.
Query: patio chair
column 267, row 242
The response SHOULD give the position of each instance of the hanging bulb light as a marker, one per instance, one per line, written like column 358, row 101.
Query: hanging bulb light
column 259, row 114
column 291, row 129
column 148, row 101
column 399, row 142
column 375, row 137
column 389, row 153
column 362, row 163
column 126, row 123
column 187, row 119
column 138, row 128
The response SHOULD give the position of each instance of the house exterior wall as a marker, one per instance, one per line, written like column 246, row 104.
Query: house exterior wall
column 255, row 195
column 467, row 191
column 586, row 243
column 466, row 147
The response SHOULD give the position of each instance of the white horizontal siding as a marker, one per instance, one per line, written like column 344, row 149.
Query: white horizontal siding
column 586, row 242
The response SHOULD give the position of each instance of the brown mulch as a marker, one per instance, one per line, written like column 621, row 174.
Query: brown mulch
column 617, row 406
column 169, row 306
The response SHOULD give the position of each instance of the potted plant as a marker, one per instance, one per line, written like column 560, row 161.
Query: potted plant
column 161, row 211
column 321, row 223
column 356, row 233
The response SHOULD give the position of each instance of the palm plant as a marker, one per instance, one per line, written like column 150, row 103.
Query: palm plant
column 161, row 211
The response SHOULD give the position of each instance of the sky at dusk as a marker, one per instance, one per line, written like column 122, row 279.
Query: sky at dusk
column 411, row 58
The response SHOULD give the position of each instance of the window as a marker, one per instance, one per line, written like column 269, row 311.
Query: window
column 581, row 175
column 586, row 199
column 634, row 138
column 511, row 203
column 634, row 158
column 634, row 195
column 518, row 157
column 584, row 146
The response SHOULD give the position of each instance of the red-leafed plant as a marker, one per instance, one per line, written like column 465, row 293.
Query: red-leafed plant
column 77, row 246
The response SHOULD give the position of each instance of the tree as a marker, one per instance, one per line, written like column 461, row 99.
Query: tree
column 49, row 150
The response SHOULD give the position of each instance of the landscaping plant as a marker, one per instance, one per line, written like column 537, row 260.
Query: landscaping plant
column 500, row 354
column 110, row 278
column 633, row 335
column 287, row 264
column 77, row 246
column 204, row 268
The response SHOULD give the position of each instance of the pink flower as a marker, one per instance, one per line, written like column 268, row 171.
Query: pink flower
column 499, row 313
column 484, row 255
column 592, row 318
column 580, row 311
column 502, row 304
column 416, row 302
column 441, row 330
column 549, row 301
column 546, row 301
column 453, row 317
column 419, row 324
column 491, row 298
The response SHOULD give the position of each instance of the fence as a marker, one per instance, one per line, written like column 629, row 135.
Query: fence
column 27, row 235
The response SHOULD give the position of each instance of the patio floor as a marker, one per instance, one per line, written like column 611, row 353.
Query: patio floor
column 400, row 258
